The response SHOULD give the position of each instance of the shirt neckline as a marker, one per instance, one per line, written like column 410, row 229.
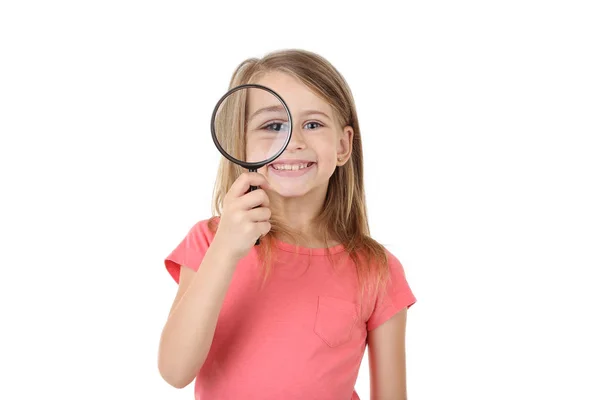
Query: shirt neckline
column 316, row 251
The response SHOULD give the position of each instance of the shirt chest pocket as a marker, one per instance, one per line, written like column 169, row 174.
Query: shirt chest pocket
column 335, row 320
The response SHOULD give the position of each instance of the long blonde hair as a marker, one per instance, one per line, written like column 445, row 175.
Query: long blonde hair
column 344, row 214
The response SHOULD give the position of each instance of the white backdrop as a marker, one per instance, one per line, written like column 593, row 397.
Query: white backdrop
column 481, row 131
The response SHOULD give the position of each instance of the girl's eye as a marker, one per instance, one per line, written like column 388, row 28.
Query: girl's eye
column 313, row 125
column 275, row 126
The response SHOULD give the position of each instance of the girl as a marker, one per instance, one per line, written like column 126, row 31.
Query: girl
column 327, row 289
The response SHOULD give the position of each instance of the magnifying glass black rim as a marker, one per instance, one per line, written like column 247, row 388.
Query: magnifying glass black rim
column 250, row 165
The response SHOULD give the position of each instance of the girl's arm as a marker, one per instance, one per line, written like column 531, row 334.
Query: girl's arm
column 188, row 333
column 387, row 359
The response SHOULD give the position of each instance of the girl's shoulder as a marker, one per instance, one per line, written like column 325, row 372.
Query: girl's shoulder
column 190, row 250
column 204, row 229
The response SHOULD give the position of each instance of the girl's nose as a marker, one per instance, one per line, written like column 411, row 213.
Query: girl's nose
column 297, row 140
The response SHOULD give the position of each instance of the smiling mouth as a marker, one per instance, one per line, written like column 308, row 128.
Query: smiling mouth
column 291, row 167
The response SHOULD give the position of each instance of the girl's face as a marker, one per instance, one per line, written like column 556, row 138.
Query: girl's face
column 317, row 146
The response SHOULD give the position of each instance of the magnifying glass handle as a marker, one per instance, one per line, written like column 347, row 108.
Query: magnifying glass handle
column 251, row 189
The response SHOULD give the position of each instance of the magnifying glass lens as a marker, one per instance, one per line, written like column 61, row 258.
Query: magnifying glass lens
column 251, row 125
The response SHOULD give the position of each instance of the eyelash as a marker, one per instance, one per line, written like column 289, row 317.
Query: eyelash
column 320, row 125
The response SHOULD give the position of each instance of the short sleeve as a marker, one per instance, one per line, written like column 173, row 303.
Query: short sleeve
column 397, row 296
column 190, row 251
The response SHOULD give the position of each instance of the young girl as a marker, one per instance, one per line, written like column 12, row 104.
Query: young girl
column 290, row 318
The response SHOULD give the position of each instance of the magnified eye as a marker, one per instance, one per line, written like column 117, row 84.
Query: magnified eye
column 276, row 127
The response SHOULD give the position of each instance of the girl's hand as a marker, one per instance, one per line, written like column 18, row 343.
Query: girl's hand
column 245, row 215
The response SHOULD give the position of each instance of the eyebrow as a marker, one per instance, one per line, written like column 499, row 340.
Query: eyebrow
column 280, row 108
column 315, row 112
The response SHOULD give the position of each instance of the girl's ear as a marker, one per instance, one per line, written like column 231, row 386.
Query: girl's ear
column 344, row 147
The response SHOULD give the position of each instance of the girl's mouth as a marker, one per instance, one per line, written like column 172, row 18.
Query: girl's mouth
column 288, row 169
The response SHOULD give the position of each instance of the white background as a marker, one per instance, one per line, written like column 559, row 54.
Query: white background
column 481, row 129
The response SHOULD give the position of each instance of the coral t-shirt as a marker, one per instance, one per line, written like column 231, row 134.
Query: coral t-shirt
column 301, row 336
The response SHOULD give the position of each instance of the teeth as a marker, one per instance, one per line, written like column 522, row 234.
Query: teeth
column 290, row 167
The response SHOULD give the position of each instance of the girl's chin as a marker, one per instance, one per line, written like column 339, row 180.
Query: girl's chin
column 287, row 193
column 286, row 190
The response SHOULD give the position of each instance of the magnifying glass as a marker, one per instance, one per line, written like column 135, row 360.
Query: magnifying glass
column 251, row 125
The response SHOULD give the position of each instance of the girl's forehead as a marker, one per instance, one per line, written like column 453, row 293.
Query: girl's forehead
column 296, row 94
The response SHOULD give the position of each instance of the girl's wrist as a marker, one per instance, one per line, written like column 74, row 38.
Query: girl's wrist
column 223, row 252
